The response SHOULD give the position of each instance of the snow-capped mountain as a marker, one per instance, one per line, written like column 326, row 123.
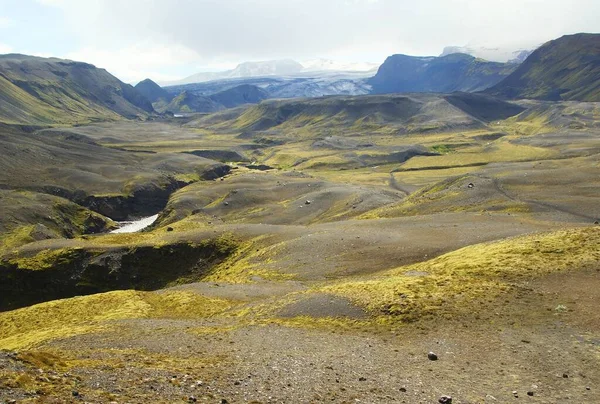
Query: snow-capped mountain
column 285, row 68
column 493, row 54
column 318, row 65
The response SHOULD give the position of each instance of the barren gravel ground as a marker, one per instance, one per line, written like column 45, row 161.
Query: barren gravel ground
column 519, row 343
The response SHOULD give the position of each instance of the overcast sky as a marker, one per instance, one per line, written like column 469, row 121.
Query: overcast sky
column 171, row 39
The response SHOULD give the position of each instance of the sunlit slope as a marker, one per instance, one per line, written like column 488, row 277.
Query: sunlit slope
column 53, row 91
column 444, row 286
column 456, row 279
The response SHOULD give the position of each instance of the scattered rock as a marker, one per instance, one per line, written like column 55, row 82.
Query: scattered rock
column 226, row 203
column 403, row 389
column 471, row 185
column 515, row 393
column 588, row 388
column 224, row 401
column 362, row 379
column 566, row 376
column 75, row 393
column 192, row 399
column 169, row 229
column 530, row 393
column 307, row 202
column 445, row 400
column 432, row 357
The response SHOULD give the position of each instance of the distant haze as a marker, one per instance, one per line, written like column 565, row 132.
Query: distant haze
column 170, row 40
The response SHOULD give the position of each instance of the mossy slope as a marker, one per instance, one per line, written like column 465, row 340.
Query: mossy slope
column 455, row 280
column 54, row 91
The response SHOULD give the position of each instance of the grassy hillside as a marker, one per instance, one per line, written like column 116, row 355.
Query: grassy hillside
column 455, row 72
column 567, row 68
column 54, row 91
column 360, row 114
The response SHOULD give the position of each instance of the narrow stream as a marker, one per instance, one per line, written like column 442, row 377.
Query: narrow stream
column 135, row 226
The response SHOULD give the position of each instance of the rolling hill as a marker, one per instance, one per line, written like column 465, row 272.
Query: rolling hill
column 454, row 72
column 567, row 68
column 36, row 90
column 337, row 115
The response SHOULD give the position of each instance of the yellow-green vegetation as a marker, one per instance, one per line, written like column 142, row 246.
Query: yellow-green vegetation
column 453, row 281
column 46, row 259
column 248, row 261
column 477, row 155
column 33, row 325
column 16, row 238
column 452, row 195
column 60, row 94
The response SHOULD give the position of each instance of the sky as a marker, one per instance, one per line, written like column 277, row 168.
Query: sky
column 169, row 40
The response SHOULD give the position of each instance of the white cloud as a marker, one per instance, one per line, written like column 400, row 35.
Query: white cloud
column 5, row 49
column 53, row 3
column 5, row 22
column 138, row 61
column 261, row 29
column 218, row 32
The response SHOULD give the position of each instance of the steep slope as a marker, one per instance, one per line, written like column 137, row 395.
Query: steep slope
column 44, row 91
column 567, row 68
column 152, row 91
column 244, row 94
column 455, row 72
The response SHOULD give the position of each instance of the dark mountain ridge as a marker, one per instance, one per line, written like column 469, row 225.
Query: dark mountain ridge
column 567, row 68
column 446, row 74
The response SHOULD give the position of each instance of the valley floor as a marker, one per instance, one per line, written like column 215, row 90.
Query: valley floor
column 323, row 265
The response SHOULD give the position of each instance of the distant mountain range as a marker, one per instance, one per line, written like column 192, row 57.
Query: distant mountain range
column 445, row 74
column 567, row 68
column 279, row 68
column 186, row 101
column 41, row 91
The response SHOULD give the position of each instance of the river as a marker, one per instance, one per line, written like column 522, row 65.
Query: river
column 136, row 225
